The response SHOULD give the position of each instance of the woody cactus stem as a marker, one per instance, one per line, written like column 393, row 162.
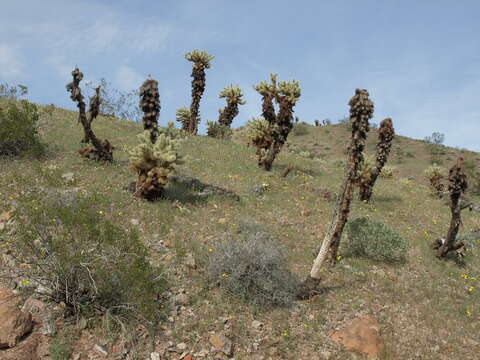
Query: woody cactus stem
column 201, row 61
column 457, row 186
column 150, row 105
column 286, row 94
column 386, row 134
column 102, row 149
column 233, row 95
column 361, row 110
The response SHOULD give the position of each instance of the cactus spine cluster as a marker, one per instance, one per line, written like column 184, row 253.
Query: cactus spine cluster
column 201, row 61
column 457, row 186
column 361, row 111
column 269, row 139
column 150, row 105
column 102, row 149
column 369, row 175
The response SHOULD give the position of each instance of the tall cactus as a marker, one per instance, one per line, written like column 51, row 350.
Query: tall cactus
column 457, row 187
column 201, row 61
column 361, row 110
column 386, row 134
column 286, row 95
column 102, row 149
column 233, row 95
column 150, row 105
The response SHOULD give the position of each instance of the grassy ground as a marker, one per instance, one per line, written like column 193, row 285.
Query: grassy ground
column 423, row 306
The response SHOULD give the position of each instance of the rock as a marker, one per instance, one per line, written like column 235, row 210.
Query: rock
column 257, row 324
column 14, row 323
column 154, row 356
column 361, row 335
column 135, row 221
column 221, row 343
column 182, row 346
column 26, row 350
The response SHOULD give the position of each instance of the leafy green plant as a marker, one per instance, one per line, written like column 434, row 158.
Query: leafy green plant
column 18, row 129
column 375, row 240
column 253, row 266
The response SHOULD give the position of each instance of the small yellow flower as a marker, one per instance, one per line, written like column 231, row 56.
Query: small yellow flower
column 285, row 333
column 210, row 249
column 464, row 276
column 100, row 212
column 469, row 313
column 33, row 201
column 24, row 282
column 470, row 288
column 120, row 213
column 305, row 325
column 339, row 257
column 473, row 278
column 225, row 275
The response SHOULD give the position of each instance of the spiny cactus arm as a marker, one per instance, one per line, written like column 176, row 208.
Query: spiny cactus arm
column 232, row 93
column 199, row 57
column 183, row 116
column 290, row 90
column 150, row 105
column 361, row 110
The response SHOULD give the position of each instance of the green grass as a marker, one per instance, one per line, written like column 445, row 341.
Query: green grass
column 418, row 304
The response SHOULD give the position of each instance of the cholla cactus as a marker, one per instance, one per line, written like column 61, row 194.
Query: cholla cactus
column 150, row 105
column 102, row 149
column 183, row 116
column 260, row 135
column 286, row 95
column 201, row 61
column 153, row 163
column 435, row 175
column 233, row 95
column 456, row 187
column 386, row 134
column 361, row 111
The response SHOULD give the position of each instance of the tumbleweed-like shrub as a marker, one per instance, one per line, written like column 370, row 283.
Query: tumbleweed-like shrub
column 253, row 266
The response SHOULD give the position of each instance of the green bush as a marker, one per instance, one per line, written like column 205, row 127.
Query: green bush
column 470, row 239
column 254, row 267
column 76, row 256
column 374, row 240
column 218, row 131
column 18, row 132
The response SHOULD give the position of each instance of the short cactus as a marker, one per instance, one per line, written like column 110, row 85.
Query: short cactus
column 153, row 163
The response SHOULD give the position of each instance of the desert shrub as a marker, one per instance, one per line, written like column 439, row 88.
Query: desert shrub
column 12, row 92
column 18, row 129
column 72, row 254
column 375, row 240
column 435, row 175
column 218, row 131
column 471, row 240
column 252, row 266
column 410, row 154
column 300, row 129
column 387, row 172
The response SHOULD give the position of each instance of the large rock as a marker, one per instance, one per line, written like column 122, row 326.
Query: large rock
column 14, row 323
column 362, row 335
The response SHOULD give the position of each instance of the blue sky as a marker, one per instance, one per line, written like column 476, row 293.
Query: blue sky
column 420, row 60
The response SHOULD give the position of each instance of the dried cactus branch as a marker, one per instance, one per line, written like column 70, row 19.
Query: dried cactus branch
column 361, row 110
column 457, row 187
column 102, row 149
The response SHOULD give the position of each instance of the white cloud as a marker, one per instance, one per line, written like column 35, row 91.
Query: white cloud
column 11, row 63
column 127, row 78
